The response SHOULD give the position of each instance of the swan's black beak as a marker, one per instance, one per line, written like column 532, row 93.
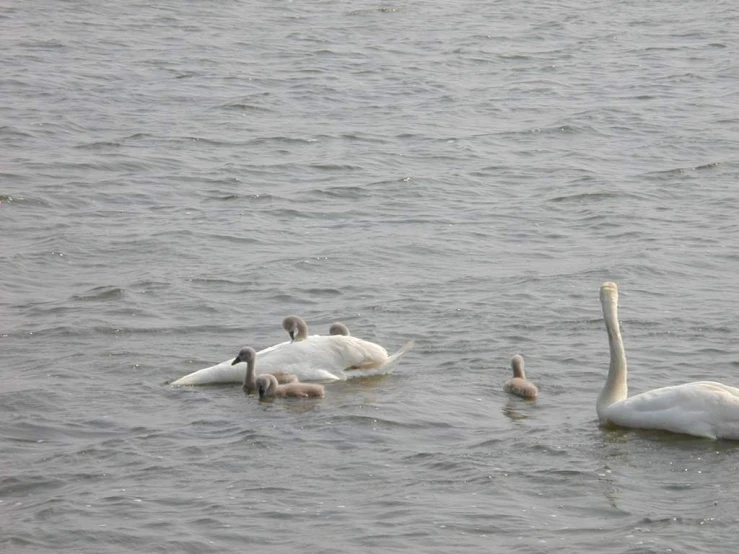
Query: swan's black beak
column 236, row 361
column 292, row 336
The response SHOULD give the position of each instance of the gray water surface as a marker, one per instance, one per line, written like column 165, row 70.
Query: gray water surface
column 176, row 178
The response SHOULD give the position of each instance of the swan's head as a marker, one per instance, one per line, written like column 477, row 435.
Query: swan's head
column 609, row 293
column 517, row 365
column 338, row 329
column 266, row 385
column 296, row 327
column 246, row 354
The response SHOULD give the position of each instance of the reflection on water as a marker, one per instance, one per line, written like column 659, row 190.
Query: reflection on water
column 518, row 408
column 289, row 405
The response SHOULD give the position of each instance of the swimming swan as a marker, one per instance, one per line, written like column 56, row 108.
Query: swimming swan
column 339, row 329
column 249, row 356
column 309, row 358
column 269, row 388
column 519, row 385
column 702, row 408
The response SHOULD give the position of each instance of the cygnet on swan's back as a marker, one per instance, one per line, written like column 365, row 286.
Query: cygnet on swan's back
column 310, row 358
column 296, row 327
column 269, row 388
column 519, row 385
column 249, row 356
column 339, row 328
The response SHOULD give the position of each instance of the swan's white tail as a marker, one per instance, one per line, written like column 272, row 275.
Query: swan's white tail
column 393, row 360
column 386, row 367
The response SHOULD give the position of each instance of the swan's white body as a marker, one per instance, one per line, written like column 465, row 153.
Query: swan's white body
column 315, row 358
column 702, row 408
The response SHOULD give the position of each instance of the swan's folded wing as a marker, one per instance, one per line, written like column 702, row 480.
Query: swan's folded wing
column 703, row 408
column 383, row 368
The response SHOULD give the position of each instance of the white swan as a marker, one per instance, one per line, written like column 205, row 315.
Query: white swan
column 519, row 385
column 309, row 358
column 269, row 388
column 702, row 408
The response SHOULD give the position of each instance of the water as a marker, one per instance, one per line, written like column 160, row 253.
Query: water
column 176, row 178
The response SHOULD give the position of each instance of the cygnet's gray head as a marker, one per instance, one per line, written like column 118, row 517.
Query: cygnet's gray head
column 338, row 329
column 246, row 354
column 296, row 327
column 517, row 365
column 266, row 385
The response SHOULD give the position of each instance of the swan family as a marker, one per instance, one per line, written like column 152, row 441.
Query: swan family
column 335, row 357
column 705, row 409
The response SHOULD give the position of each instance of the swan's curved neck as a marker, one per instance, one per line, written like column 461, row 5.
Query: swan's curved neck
column 616, row 387
column 271, row 386
column 302, row 331
column 250, row 378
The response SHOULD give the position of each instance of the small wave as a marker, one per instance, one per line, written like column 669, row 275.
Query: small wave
column 680, row 170
column 218, row 236
column 100, row 293
column 514, row 57
column 13, row 132
column 217, row 196
column 375, row 421
column 336, row 167
column 324, row 292
column 98, row 145
column 588, row 196
column 140, row 136
column 50, row 44
column 245, row 107
column 366, row 11
column 350, row 192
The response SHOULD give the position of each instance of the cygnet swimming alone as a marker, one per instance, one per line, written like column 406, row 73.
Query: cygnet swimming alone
column 339, row 328
column 269, row 388
column 519, row 385
column 249, row 355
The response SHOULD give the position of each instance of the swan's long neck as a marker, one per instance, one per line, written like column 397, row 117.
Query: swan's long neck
column 517, row 365
column 250, row 378
column 616, row 387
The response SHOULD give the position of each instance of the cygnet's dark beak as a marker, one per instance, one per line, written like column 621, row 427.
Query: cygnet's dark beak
column 236, row 361
column 292, row 336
